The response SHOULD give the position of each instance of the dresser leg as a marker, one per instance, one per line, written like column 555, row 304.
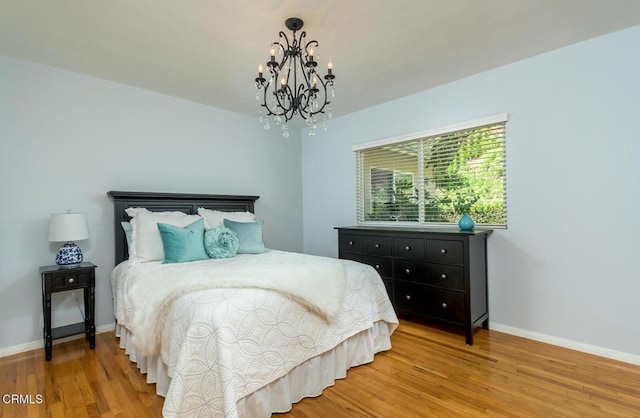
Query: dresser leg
column 485, row 324
column 469, row 336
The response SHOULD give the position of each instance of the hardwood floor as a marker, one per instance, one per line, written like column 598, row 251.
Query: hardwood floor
column 428, row 372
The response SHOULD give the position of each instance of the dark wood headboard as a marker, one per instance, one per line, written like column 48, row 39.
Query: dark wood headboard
column 157, row 202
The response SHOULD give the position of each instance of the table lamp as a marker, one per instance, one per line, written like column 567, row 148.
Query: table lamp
column 68, row 227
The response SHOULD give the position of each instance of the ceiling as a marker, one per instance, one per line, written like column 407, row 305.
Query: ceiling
column 208, row 51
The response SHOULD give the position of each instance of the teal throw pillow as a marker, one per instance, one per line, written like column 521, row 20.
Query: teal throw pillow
column 249, row 234
column 221, row 242
column 183, row 244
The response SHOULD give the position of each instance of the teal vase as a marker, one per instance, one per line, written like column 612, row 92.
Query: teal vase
column 466, row 223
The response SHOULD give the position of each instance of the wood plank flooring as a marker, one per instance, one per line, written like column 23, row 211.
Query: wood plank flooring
column 428, row 372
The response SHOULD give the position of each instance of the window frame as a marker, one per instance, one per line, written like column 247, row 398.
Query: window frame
column 419, row 137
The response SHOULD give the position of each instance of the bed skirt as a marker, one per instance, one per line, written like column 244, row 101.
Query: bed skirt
column 308, row 379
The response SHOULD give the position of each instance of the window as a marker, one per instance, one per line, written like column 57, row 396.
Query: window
column 436, row 176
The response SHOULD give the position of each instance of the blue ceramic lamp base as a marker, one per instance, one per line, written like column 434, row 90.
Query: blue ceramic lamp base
column 69, row 255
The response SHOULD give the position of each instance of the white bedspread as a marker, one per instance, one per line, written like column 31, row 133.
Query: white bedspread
column 221, row 344
column 297, row 276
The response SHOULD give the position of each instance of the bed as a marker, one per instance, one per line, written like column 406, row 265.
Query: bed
column 250, row 349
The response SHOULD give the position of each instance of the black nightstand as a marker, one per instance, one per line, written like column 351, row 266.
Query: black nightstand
column 59, row 279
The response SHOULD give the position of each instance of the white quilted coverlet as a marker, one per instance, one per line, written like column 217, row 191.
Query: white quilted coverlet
column 295, row 275
column 220, row 345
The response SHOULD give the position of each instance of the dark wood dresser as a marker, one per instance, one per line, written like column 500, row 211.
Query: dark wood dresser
column 430, row 273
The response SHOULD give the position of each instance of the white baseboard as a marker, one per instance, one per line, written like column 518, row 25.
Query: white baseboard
column 562, row 342
column 34, row 345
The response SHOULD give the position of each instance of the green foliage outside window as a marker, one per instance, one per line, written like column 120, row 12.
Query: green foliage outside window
column 394, row 197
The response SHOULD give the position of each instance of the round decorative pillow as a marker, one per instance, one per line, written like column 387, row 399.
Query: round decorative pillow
column 221, row 242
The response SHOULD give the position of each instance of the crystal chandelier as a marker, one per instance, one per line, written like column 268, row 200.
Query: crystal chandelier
column 292, row 85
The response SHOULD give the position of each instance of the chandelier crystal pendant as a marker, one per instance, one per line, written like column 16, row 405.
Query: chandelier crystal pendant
column 293, row 86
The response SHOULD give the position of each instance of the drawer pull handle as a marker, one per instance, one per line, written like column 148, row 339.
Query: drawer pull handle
column 71, row 280
column 408, row 297
column 444, row 305
column 378, row 266
column 443, row 276
column 408, row 248
column 443, row 251
column 407, row 271
column 377, row 245
column 351, row 243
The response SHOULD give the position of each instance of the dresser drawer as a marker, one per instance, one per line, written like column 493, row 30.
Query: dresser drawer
column 352, row 243
column 376, row 245
column 444, row 251
column 441, row 275
column 382, row 265
column 411, row 297
column 447, row 277
column 426, row 300
column 411, row 271
column 69, row 280
column 447, row 305
column 410, row 248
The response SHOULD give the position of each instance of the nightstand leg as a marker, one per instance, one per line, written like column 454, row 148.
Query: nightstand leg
column 485, row 324
column 87, row 314
column 91, row 316
column 48, row 340
column 48, row 348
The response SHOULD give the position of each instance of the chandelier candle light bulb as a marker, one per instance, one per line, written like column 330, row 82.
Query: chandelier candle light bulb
column 301, row 92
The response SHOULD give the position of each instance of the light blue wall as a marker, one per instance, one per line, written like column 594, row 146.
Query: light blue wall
column 566, row 267
column 67, row 139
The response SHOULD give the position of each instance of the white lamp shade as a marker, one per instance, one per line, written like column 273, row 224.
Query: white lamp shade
column 65, row 227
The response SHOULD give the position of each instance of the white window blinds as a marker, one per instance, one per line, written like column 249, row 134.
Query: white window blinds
column 436, row 176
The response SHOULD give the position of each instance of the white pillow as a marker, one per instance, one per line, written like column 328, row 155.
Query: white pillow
column 146, row 242
column 128, row 232
column 213, row 218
